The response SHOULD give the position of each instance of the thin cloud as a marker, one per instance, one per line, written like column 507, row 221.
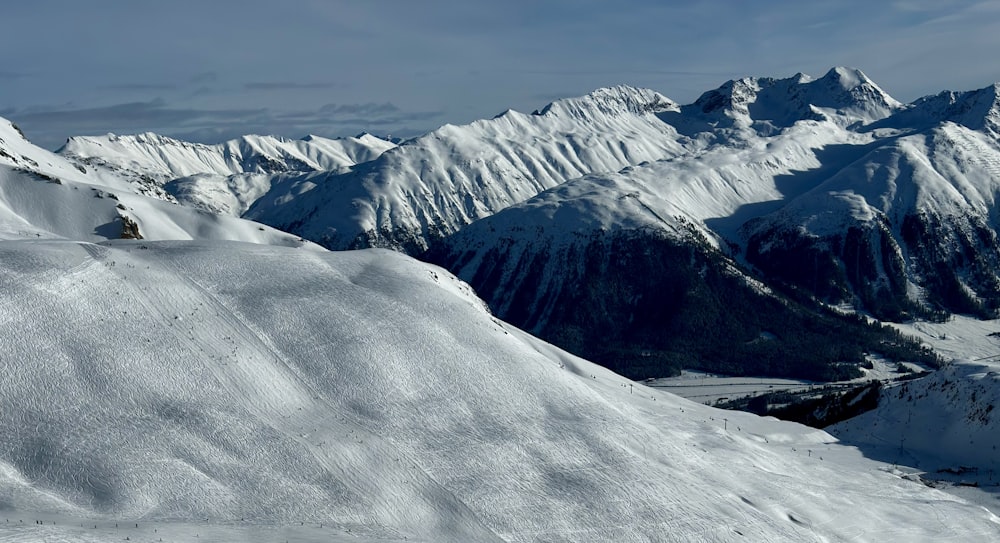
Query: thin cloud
column 279, row 85
column 49, row 127
column 204, row 77
column 140, row 86
column 136, row 114
column 384, row 114
column 370, row 108
column 918, row 6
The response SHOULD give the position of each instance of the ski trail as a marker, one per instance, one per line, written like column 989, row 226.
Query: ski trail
column 245, row 364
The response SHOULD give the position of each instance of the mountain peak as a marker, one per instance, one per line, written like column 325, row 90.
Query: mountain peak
column 852, row 88
column 976, row 109
column 848, row 78
column 845, row 95
column 612, row 101
column 731, row 98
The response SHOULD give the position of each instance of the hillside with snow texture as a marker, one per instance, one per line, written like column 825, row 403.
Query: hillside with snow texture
column 825, row 188
column 224, row 380
column 224, row 178
column 653, row 247
column 44, row 195
column 944, row 427
column 908, row 229
column 435, row 184
column 236, row 391
column 405, row 196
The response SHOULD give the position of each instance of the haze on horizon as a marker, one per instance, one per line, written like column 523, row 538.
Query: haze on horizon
column 209, row 72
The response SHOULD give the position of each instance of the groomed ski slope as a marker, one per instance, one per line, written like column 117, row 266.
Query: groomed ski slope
column 230, row 391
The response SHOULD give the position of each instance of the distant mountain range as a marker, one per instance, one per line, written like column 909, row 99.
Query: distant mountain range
column 795, row 194
column 183, row 356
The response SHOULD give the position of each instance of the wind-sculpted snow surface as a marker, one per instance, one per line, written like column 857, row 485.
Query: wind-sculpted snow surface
column 222, row 386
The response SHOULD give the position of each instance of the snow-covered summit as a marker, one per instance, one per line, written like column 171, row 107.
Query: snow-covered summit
column 617, row 100
column 435, row 184
column 845, row 95
column 163, row 158
column 977, row 109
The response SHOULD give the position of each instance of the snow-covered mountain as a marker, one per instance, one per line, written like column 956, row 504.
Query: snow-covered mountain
column 827, row 185
column 944, row 426
column 194, row 390
column 224, row 178
column 648, row 251
column 910, row 228
column 205, row 389
column 44, row 195
column 164, row 159
column 766, row 105
column 631, row 269
column 433, row 185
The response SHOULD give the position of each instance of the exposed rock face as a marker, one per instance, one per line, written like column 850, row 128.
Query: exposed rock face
column 130, row 229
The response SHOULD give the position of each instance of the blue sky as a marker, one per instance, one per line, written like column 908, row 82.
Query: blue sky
column 210, row 70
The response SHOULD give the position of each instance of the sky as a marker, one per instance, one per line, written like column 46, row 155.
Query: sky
column 213, row 70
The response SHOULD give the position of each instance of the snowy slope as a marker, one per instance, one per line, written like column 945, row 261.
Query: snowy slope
column 370, row 396
column 34, row 206
column 224, row 178
column 43, row 195
column 164, row 158
column 912, row 225
column 18, row 153
column 435, row 184
column 765, row 105
column 945, row 425
column 941, row 422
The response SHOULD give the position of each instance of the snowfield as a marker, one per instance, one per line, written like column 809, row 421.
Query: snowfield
column 203, row 389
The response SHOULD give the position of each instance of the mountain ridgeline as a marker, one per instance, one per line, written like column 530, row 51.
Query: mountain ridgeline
column 650, row 235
